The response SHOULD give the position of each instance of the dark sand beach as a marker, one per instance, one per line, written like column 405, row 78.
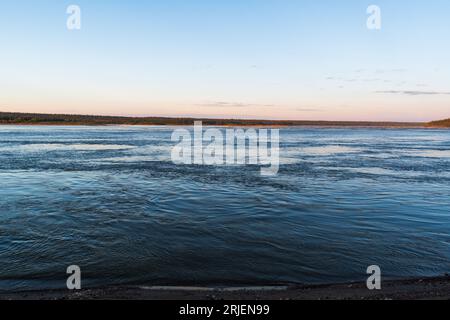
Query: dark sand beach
column 412, row 289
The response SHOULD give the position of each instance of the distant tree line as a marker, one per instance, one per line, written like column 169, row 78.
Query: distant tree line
column 441, row 123
column 70, row 119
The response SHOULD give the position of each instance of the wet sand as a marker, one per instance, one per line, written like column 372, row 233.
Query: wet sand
column 411, row 289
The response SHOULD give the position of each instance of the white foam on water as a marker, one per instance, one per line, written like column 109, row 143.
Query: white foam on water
column 328, row 150
column 58, row 147
column 431, row 153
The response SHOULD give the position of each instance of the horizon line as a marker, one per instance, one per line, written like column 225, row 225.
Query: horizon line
column 185, row 117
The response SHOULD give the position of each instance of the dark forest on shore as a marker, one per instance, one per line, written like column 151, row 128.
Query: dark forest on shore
column 69, row 119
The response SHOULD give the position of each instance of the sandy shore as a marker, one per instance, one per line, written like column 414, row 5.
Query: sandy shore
column 424, row 288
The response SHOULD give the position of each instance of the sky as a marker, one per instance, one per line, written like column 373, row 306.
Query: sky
column 259, row 59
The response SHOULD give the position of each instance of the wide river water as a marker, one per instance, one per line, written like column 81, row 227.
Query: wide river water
column 109, row 200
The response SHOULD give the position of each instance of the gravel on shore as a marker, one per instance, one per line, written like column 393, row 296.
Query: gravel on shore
column 411, row 289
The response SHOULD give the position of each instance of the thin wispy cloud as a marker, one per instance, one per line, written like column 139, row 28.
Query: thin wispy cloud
column 396, row 70
column 353, row 79
column 308, row 110
column 414, row 92
column 225, row 104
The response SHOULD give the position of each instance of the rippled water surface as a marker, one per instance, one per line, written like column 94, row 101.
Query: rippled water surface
column 110, row 200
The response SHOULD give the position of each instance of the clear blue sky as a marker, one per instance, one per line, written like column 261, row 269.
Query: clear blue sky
column 278, row 59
